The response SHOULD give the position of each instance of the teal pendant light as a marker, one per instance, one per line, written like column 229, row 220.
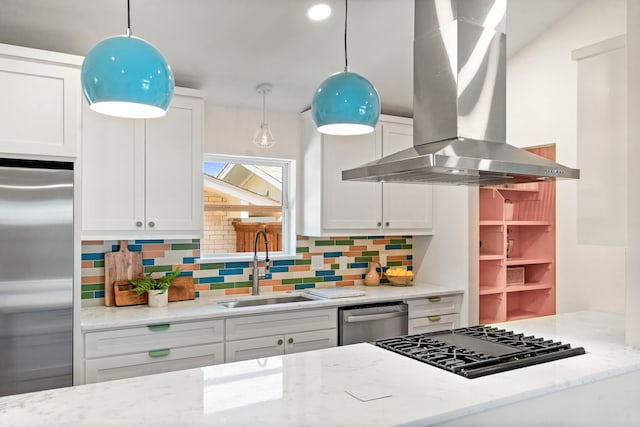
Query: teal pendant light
column 125, row 76
column 345, row 103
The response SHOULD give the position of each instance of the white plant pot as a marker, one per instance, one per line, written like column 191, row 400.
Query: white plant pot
column 157, row 299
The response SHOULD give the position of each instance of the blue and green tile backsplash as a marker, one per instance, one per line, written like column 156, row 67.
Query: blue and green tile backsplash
column 233, row 278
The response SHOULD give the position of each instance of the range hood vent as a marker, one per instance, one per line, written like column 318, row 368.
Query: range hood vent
column 459, row 123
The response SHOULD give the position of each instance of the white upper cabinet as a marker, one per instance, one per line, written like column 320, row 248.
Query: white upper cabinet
column 143, row 178
column 334, row 206
column 406, row 206
column 40, row 103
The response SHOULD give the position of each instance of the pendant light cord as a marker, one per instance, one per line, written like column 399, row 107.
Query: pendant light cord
column 128, row 18
column 346, row 62
column 264, row 114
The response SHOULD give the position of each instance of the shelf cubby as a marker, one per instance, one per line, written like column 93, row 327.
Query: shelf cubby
column 520, row 217
column 492, row 308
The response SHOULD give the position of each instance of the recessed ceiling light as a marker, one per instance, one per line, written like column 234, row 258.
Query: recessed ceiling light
column 319, row 12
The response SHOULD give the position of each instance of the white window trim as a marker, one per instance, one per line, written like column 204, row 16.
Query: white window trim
column 288, row 208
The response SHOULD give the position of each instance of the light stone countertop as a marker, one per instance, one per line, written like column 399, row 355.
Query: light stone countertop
column 316, row 388
column 96, row 318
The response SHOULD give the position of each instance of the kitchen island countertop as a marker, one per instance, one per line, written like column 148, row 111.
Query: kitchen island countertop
column 352, row 385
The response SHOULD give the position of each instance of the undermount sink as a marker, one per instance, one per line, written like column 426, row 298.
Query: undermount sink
column 265, row 301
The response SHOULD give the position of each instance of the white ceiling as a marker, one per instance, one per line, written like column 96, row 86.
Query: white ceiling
column 228, row 47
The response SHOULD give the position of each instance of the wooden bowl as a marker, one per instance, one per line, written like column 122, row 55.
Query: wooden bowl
column 399, row 280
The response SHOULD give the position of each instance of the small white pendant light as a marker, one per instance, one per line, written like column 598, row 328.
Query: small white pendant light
column 345, row 103
column 125, row 76
column 263, row 137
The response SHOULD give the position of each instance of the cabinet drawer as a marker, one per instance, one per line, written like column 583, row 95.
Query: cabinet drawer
column 434, row 305
column 433, row 323
column 152, row 337
column 146, row 363
column 280, row 323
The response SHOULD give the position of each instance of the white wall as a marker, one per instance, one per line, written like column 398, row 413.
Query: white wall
column 542, row 109
column 449, row 257
column 632, row 297
column 230, row 131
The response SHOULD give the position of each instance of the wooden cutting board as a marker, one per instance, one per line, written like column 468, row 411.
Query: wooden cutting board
column 119, row 266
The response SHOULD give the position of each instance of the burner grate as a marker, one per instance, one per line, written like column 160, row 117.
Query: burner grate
column 479, row 350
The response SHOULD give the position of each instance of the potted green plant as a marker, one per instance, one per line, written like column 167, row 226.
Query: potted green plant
column 156, row 288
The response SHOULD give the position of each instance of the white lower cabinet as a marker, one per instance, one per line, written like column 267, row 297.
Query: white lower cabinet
column 281, row 344
column 128, row 352
column 434, row 313
column 251, row 337
column 153, row 362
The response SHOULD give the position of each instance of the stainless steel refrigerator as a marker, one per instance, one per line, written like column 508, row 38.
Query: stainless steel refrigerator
column 36, row 275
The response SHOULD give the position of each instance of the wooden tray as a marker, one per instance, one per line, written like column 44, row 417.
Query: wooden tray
column 182, row 289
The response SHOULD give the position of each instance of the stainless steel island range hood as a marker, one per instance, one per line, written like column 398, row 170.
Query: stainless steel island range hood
column 459, row 104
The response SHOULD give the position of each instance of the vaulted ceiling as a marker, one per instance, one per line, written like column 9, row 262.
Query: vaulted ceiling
column 228, row 47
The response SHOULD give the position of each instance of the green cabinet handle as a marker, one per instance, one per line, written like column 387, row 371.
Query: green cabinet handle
column 159, row 353
column 290, row 340
column 159, row 327
column 434, row 318
column 434, row 299
column 280, row 342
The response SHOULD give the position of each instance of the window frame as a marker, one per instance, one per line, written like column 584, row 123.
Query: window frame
column 289, row 237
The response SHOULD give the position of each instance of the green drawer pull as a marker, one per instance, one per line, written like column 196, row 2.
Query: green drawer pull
column 159, row 327
column 433, row 318
column 290, row 340
column 159, row 353
column 434, row 299
column 280, row 342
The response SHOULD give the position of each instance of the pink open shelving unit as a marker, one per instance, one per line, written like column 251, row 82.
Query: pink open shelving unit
column 522, row 284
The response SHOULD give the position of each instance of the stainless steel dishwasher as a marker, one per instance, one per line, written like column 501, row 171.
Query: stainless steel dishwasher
column 369, row 322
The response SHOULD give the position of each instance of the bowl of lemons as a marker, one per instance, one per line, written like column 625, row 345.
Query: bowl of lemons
column 398, row 276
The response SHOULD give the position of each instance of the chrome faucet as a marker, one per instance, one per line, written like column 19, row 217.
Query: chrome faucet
column 256, row 273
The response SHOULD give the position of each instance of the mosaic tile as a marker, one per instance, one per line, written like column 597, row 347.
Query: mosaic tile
column 212, row 266
column 332, row 254
column 233, row 278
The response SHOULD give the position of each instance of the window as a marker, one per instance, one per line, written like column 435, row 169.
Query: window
column 241, row 196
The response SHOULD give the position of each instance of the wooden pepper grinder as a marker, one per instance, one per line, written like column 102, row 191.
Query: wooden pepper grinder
column 372, row 278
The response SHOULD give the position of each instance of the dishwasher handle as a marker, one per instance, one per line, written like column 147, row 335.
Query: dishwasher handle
column 370, row 317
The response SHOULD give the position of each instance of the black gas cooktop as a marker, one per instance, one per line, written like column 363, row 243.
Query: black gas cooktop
column 478, row 350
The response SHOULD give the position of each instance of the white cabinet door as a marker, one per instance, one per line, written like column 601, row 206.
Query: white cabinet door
column 112, row 172
column 406, row 208
column 254, row 348
column 349, row 205
column 264, row 335
column 143, row 178
column 306, row 341
column 174, row 168
column 332, row 206
column 40, row 105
